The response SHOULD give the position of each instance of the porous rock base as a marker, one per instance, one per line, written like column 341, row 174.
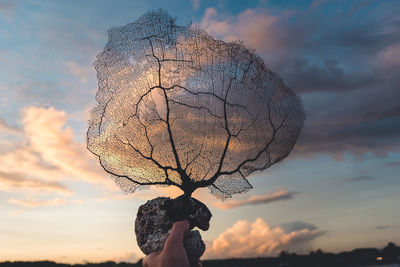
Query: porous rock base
column 155, row 218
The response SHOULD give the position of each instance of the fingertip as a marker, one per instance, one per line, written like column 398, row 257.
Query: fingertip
column 149, row 259
column 180, row 227
column 177, row 232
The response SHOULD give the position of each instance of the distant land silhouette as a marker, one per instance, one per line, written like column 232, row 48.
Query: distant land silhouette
column 388, row 256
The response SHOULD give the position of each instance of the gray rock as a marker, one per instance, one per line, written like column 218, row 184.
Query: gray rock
column 156, row 217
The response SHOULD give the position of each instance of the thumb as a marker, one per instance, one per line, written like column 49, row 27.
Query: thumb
column 175, row 238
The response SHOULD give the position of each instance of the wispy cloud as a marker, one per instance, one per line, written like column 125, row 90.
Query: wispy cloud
column 382, row 227
column 7, row 9
column 256, row 200
column 6, row 4
column 83, row 72
column 4, row 126
column 297, row 226
column 195, row 4
column 393, row 164
column 33, row 203
column 20, row 181
column 258, row 239
column 255, row 28
column 357, row 179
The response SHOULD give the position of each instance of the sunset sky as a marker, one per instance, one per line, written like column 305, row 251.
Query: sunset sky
column 339, row 188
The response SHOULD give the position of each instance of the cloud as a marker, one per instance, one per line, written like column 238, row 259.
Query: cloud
column 329, row 75
column 47, row 134
column 7, row 9
column 390, row 56
column 395, row 163
column 36, row 92
column 255, row 28
column 362, row 135
column 19, row 181
column 195, row 4
column 33, row 203
column 357, row 179
column 8, row 128
column 48, row 154
column 245, row 240
column 382, row 227
column 6, row 4
column 84, row 73
column 256, row 200
column 297, row 226
column 346, row 72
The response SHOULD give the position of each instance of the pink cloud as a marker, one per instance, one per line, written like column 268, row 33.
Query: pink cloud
column 256, row 29
column 195, row 4
column 49, row 154
column 390, row 56
column 245, row 240
column 55, row 143
column 45, row 154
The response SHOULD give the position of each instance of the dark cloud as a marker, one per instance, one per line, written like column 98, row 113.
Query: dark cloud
column 297, row 226
column 257, row 200
column 4, row 126
column 344, row 61
column 304, row 76
column 382, row 227
column 357, row 179
column 376, row 130
column 347, row 70
column 395, row 163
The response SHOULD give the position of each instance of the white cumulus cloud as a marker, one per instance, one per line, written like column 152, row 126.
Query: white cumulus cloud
column 257, row 239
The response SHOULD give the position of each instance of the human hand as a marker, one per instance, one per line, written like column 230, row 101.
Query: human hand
column 173, row 253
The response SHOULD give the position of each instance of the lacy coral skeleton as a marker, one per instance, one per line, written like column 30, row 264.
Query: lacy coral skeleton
column 178, row 107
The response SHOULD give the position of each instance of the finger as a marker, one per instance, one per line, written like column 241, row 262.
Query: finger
column 175, row 238
column 150, row 259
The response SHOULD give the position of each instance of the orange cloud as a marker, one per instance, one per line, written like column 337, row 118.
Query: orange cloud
column 45, row 154
column 33, row 203
column 256, row 200
column 245, row 239
column 47, row 135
